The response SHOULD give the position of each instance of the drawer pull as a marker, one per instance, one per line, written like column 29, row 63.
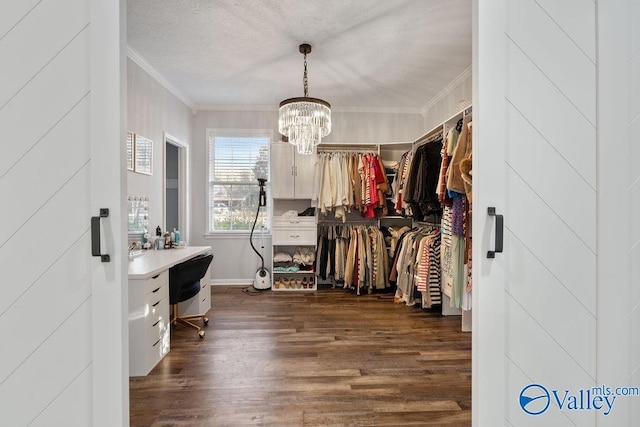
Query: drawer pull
column 154, row 325
column 156, row 304
column 156, row 290
column 156, row 343
column 155, row 277
column 294, row 236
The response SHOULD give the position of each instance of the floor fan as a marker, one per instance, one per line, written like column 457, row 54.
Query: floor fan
column 262, row 279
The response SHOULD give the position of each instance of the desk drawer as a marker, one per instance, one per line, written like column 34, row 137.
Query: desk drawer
column 157, row 304
column 295, row 222
column 200, row 303
column 158, row 325
column 155, row 282
column 293, row 236
column 157, row 293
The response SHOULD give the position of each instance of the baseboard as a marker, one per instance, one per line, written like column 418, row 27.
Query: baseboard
column 231, row 282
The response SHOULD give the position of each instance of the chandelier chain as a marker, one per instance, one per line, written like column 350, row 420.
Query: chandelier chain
column 305, row 80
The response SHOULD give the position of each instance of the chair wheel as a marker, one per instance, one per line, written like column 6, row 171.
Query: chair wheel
column 201, row 334
column 205, row 320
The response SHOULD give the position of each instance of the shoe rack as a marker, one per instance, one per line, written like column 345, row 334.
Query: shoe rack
column 293, row 257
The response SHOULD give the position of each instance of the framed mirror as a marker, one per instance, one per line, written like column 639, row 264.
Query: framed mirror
column 143, row 155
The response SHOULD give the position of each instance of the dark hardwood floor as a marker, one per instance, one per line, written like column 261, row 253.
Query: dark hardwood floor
column 328, row 358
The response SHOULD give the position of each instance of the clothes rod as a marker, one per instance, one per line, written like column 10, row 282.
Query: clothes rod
column 430, row 138
column 435, row 224
column 371, row 221
column 339, row 147
column 346, row 150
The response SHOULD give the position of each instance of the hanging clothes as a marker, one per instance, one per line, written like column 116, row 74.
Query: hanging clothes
column 351, row 181
column 359, row 257
column 418, row 180
column 417, row 267
column 456, row 250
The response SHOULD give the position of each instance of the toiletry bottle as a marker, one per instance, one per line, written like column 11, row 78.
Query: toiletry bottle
column 158, row 231
column 176, row 233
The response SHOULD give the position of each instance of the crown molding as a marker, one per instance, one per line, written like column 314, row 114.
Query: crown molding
column 142, row 63
column 236, row 107
column 378, row 110
column 446, row 90
column 258, row 107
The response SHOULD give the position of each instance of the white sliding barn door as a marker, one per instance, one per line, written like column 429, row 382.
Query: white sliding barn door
column 557, row 119
column 63, row 361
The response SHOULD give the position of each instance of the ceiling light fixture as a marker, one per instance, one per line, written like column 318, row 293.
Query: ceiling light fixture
column 304, row 120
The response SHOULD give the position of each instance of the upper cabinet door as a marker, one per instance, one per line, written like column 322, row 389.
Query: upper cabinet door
column 304, row 169
column 282, row 170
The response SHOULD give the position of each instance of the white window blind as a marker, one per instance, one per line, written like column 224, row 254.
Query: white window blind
column 237, row 158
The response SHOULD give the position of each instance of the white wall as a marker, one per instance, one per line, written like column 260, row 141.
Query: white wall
column 234, row 261
column 446, row 103
column 152, row 110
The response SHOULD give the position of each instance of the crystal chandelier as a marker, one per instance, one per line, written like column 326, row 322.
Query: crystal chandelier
column 305, row 121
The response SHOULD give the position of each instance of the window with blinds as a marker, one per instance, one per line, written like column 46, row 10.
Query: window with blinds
column 237, row 158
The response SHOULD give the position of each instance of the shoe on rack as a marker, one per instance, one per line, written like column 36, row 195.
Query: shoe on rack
column 308, row 212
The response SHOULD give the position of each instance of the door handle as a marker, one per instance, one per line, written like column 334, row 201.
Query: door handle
column 499, row 232
column 95, row 235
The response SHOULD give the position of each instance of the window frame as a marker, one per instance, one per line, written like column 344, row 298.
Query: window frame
column 237, row 132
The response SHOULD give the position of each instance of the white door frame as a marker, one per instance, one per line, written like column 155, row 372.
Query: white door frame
column 489, row 275
column 110, row 335
column 183, row 189
column 617, row 204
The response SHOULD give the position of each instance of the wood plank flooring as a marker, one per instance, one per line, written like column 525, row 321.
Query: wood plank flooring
column 327, row 358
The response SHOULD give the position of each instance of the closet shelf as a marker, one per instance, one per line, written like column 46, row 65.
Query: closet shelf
column 307, row 272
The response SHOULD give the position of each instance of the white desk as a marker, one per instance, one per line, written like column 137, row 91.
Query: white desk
column 149, row 328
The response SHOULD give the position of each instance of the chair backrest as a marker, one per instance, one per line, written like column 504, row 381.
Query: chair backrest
column 186, row 274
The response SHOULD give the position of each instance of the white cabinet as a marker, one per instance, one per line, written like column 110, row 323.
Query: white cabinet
column 291, row 173
column 201, row 303
column 294, row 238
column 149, row 327
column 149, row 308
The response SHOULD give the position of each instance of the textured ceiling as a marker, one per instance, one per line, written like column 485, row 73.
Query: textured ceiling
column 375, row 54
